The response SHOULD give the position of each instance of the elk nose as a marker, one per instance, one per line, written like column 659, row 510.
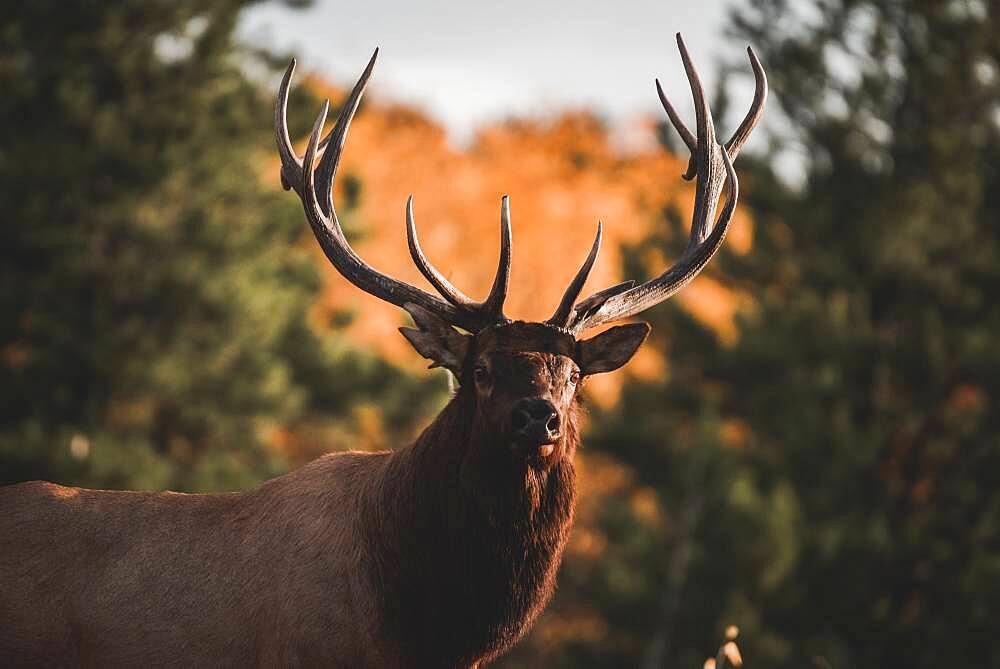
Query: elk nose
column 535, row 420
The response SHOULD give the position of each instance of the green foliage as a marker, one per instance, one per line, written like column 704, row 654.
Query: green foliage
column 154, row 289
column 870, row 373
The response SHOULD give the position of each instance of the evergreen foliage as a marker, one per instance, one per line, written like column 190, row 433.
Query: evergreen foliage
column 155, row 291
column 830, row 479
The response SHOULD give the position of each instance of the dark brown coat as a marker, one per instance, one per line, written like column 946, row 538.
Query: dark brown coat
column 363, row 559
column 440, row 554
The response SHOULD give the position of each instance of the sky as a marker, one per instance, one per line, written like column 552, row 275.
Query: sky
column 469, row 62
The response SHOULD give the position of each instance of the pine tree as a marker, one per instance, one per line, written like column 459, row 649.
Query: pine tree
column 155, row 291
column 829, row 479
column 871, row 372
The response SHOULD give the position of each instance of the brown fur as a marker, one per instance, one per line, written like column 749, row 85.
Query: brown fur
column 440, row 554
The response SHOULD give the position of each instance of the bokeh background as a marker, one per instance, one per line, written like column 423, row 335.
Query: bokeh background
column 808, row 447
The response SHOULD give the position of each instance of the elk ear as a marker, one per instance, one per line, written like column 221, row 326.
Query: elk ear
column 436, row 340
column 611, row 349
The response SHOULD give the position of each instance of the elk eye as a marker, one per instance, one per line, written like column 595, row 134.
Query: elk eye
column 574, row 378
column 482, row 375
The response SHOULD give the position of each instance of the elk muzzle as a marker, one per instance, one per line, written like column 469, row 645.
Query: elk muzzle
column 535, row 426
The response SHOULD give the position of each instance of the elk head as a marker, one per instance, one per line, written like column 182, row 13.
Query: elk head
column 522, row 377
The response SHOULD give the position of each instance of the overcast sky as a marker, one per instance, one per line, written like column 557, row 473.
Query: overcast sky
column 468, row 62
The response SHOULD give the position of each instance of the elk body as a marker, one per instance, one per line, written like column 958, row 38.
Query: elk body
column 438, row 554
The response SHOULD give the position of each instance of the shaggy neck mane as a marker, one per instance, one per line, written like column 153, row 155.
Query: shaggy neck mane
column 466, row 542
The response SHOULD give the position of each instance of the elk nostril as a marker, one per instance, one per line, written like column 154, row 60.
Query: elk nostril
column 535, row 418
column 553, row 424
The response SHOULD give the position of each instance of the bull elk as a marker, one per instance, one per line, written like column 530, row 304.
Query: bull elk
column 439, row 554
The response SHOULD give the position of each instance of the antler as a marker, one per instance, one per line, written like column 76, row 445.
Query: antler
column 710, row 162
column 314, row 186
column 493, row 304
column 713, row 166
column 564, row 311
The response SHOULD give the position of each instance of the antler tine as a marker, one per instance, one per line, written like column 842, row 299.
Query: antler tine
column 289, row 159
column 589, row 306
column 493, row 304
column 742, row 133
column 682, row 130
column 492, row 307
column 564, row 311
column 705, row 159
column 338, row 135
column 285, row 150
column 703, row 125
column 675, row 119
column 438, row 280
column 310, row 157
column 756, row 111
column 712, row 163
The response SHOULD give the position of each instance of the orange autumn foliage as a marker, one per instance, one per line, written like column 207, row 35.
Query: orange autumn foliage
column 562, row 173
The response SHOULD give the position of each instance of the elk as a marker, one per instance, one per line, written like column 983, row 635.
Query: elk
column 438, row 554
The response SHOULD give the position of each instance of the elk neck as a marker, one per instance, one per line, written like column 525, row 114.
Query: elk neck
column 465, row 540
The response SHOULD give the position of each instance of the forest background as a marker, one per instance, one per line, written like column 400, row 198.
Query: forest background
column 809, row 446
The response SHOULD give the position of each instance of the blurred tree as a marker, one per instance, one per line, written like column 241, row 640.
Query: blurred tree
column 154, row 292
column 829, row 481
column 870, row 375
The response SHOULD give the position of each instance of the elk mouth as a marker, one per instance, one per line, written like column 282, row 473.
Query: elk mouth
column 534, row 450
column 535, row 446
